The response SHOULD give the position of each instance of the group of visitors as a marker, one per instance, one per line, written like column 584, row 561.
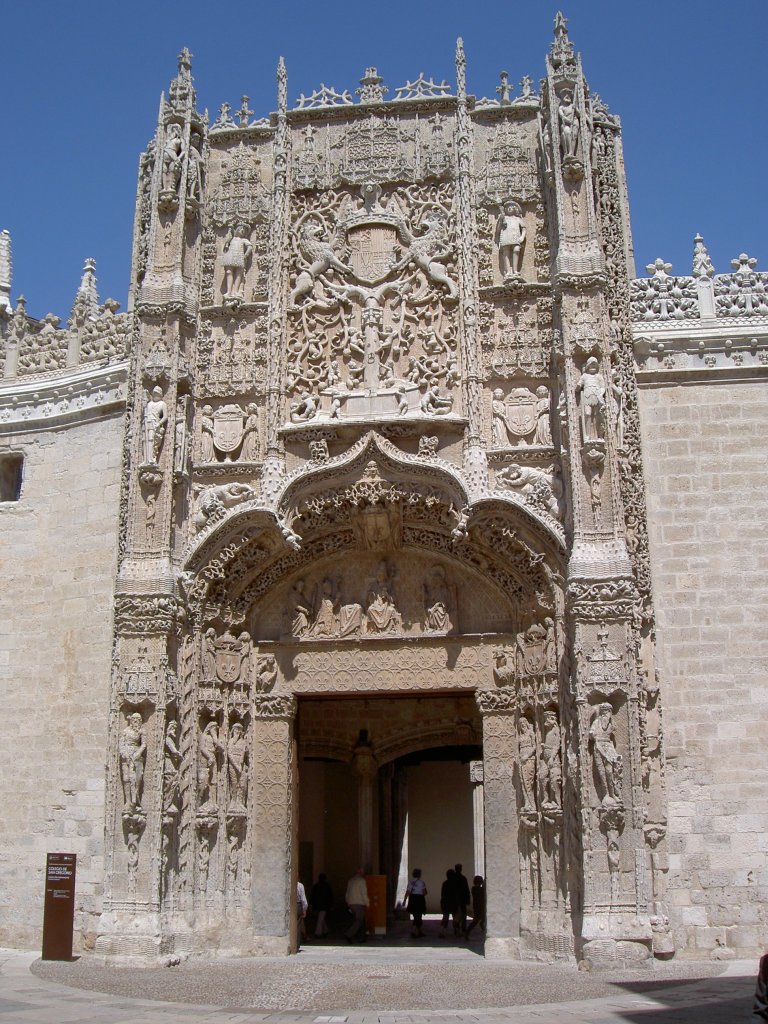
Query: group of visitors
column 455, row 899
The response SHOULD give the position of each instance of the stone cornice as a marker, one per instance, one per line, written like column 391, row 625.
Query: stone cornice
column 713, row 349
column 83, row 393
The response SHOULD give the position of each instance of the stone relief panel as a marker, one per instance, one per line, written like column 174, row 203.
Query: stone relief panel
column 378, row 597
column 231, row 354
column 517, row 338
column 372, row 309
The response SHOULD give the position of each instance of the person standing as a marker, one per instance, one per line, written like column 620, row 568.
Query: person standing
column 462, row 887
column 449, row 901
column 416, row 901
column 321, row 901
column 301, row 913
column 357, row 901
column 478, row 905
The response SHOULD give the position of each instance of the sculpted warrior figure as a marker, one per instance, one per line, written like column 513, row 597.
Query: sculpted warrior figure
column 527, row 748
column 237, row 766
column 236, row 259
column 132, row 751
column 550, row 766
column 591, row 386
column 510, row 239
column 155, row 420
column 173, row 152
column 194, row 168
column 569, row 125
column 607, row 759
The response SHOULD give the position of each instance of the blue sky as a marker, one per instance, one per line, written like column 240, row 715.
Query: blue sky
column 81, row 83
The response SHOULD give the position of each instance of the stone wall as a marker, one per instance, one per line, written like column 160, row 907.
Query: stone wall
column 706, row 468
column 57, row 564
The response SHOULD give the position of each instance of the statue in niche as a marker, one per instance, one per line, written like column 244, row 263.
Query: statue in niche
column 208, row 748
column 550, row 765
column 206, row 435
column 617, row 404
column 237, row 767
column 435, row 404
column 250, row 451
column 550, row 648
column 155, row 421
column 591, row 387
column 543, row 434
column 510, row 238
column 132, row 751
column 527, row 753
column 171, row 763
column 236, row 258
column 302, row 610
column 194, row 169
column 173, row 152
column 382, row 615
column 606, row 758
column 568, row 118
column 439, row 602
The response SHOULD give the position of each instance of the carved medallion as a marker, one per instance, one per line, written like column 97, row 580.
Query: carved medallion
column 372, row 251
column 228, row 428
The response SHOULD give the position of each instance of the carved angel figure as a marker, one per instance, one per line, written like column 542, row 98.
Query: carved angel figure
column 320, row 257
column 132, row 752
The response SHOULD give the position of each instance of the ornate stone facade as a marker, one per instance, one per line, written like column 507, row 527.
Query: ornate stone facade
column 382, row 439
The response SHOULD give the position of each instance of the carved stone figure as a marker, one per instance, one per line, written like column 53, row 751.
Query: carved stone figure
column 550, row 765
column 591, row 387
column 302, row 611
column 214, row 501
column 155, row 421
column 510, row 237
column 568, row 118
column 326, row 622
column 499, row 420
column 543, row 434
column 236, row 258
column 435, row 404
column 439, row 602
column 382, row 615
column 208, row 749
column 606, row 758
column 266, row 674
column 173, row 153
column 132, row 752
column 304, row 409
column 194, row 169
column 550, row 648
column 207, row 453
column 171, row 763
column 538, row 486
column 250, row 451
column 527, row 749
column 431, row 249
column 320, row 257
column 209, row 655
column 237, row 767
column 617, row 404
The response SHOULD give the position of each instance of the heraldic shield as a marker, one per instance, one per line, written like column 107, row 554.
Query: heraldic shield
column 231, row 652
column 228, row 428
column 521, row 412
column 372, row 251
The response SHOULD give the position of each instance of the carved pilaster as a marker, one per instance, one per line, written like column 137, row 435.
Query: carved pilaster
column 273, row 821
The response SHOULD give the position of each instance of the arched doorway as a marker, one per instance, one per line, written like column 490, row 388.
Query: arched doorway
column 389, row 782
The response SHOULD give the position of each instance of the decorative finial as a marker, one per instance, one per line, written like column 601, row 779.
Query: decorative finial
column 181, row 94
column 6, row 266
column 244, row 114
column 87, row 293
column 561, row 51
column 372, row 88
column 505, row 89
column 702, row 264
column 461, row 68
column 185, row 60
column 282, row 86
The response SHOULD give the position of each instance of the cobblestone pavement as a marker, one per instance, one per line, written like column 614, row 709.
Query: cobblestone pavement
column 331, row 985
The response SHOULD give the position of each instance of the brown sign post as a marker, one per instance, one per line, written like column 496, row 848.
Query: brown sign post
column 59, row 914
